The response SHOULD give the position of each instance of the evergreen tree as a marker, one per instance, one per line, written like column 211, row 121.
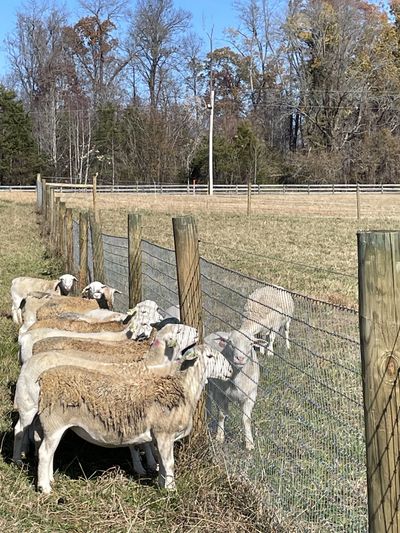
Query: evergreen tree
column 19, row 159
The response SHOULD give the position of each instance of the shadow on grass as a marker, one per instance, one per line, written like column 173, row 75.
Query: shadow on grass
column 75, row 458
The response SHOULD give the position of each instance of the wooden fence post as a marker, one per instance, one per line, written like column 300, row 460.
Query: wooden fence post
column 189, row 291
column 358, row 201
column 379, row 289
column 135, row 259
column 97, row 248
column 83, row 250
column 51, row 219
column 43, row 210
column 56, row 228
column 61, row 229
column 69, row 241
column 39, row 193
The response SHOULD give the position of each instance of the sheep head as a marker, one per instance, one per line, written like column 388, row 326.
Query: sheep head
column 141, row 319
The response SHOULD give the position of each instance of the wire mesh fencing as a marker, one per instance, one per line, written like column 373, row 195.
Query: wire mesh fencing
column 308, row 461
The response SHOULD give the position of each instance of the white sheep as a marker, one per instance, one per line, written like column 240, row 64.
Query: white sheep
column 138, row 327
column 267, row 310
column 166, row 347
column 40, row 306
column 238, row 348
column 21, row 286
column 102, row 293
column 136, row 411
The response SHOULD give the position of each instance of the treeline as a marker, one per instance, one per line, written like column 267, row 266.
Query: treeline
column 308, row 92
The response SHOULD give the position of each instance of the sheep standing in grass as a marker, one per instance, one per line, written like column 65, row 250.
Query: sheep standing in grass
column 134, row 412
column 267, row 310
column 238, row 348
column 22, row 286
column 167, row 346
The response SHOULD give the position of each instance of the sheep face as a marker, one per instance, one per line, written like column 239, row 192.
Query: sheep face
column 215, row 365
column 143, row 315
column 93, row 290
column 66, row 282
column 237, row 348
column 176, row 337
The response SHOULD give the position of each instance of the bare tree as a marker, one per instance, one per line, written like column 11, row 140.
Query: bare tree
column 156, row 28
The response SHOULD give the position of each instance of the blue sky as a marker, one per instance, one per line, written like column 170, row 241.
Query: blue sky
column 206, row 14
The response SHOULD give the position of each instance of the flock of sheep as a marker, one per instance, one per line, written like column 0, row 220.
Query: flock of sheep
column 133, row 379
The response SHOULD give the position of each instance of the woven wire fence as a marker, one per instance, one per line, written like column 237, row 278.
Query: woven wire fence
column 309, row 458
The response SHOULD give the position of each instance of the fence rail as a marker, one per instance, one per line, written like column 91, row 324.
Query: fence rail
column 239, row 189
column 219, row 189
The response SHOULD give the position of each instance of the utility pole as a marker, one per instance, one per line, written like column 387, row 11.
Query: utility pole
column 210, row 146
column 210, row 106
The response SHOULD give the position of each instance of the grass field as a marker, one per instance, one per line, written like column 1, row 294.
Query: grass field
column 95, row 490
column 304, row 243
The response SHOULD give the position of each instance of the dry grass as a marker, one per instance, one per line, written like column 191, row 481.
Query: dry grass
column 306, row 243
column 94, row 490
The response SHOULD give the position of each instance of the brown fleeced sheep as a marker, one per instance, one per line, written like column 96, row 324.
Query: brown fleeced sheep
column 114, row 412
column 101, row 350
column 167, row 346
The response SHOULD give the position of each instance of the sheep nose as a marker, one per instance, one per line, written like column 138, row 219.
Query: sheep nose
column 240, row 359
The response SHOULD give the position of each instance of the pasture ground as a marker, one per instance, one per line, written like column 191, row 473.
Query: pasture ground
column 95, row 490
column 305, row 243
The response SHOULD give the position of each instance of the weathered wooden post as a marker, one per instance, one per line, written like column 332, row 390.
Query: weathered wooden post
column 43, row 211
column 83, row 250
column 189, row 290
column 94, row 196
column 248, row 196
column 97, row 248
column 135, row 258
column 39, row 193
column 69, row 241
column 51, row 219
column 56, row 230
column 61, row 229
column 379, row 303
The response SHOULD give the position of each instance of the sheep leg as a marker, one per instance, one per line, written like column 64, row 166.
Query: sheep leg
column 247, row 409
column 151, row 454
column 46, row 457
column 222, row 403
column 270, row 348
column 287, row 325
column 21, row 435
column 137, row 463
column 166, row 477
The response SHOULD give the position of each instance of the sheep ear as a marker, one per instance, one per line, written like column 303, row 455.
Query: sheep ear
column 188, row 352
column 117, row 291
column 73, row 277
column 85, row 289
column 56, row 285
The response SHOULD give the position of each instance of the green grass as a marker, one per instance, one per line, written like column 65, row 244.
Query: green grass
column 94, row 489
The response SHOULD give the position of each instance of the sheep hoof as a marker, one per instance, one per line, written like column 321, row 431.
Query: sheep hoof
column 44, row 489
